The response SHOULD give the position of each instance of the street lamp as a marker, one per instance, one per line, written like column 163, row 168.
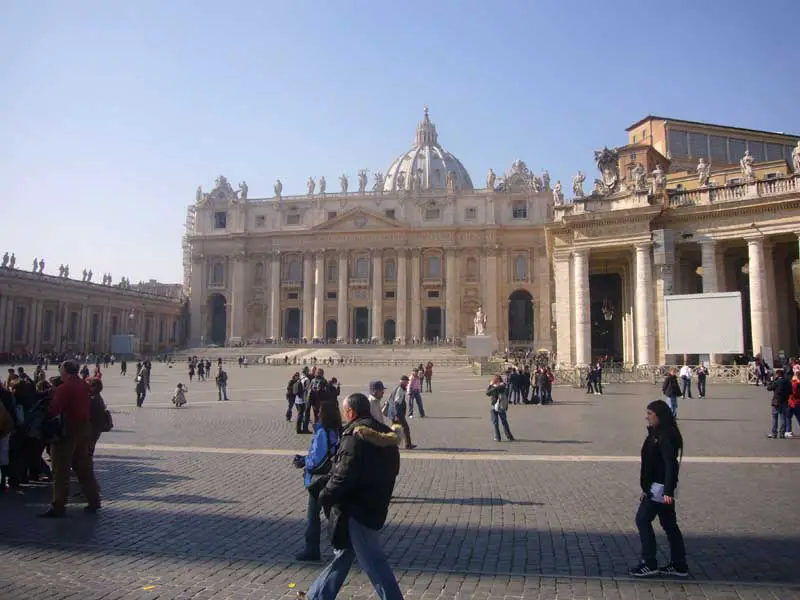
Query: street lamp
column 131, row 317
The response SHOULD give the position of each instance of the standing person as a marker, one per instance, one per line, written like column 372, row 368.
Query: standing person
column 323, row 448
column 179, row 397
column 397, row 409
column 100, row 417
column 671, row 390
column 658, row 478
column 356, row 500
column 686, row 381
column 794, row 401
column 598, row 378
column 123, row 367
column 222, row 385
column 498, row 392
column 141, row 390
column 526, row 384
column 428, row 377
column 191, row 373
column 702, row 374
column 415, row 394
column 376, row 391
column 290, row 396
column 781, row 389
column 590, row 375
column 72, row 401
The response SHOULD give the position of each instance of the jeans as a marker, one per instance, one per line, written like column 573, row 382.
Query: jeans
column 428, row 384
column 412, row 395
column 792, row 412
column 497, row 418
column 701, row 386
column 649, row 510
column 780, row 419
column 400, row 419
column 302, row 422
column 222, row 389
column 687, row 387
column 289, row 407
column 673, row 404
column 365, row 546
column 313, row 525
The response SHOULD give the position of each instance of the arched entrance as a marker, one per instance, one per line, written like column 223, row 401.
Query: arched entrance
column 520, row 317
column 389, row 331
column 330, row 329
column 361, row 323
column 292, row 329
column 433, row 323
column 218, row 318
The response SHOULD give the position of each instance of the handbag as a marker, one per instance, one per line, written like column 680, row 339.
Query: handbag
column 322, row 472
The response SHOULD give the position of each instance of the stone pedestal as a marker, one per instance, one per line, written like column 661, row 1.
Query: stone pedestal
column 481, row 346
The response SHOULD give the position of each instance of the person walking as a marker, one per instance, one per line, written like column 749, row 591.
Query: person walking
column 356, row 501
column 141, row 390
column 671, row 390
column 376, row 391
column 319, row 459
column 415, row 394
column 222, row 385
column 781, row 389
column 702, row 375
column 658, row 477
column 396, row 409
column 72, row 402
column 290, row 396
column 498, row 392
column 686, row 381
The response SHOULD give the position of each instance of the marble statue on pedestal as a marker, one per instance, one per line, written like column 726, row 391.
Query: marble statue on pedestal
column 401, row 180
column 796, row 158
column 546, row 180
column 311, row 185
column 12, row 261
column 659, row 180
column 480, row 321
column 35, row 265
column 66, row 271
column 60, row 270
column 558, row 196
column 746, row 166
column 41, row 265
column 5, row 259
column 577, row 184
column 278, row 188
column 83, row 275
column 323, row 185
column 199, row 194
column 343, row 181
column 362, row 181
column 490, row 179
column 638, row 175
column 703, row 172
column 243, row 189
column 379, row 181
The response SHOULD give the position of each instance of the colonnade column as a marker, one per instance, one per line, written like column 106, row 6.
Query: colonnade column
column 708, row 254
column 755, row 252
column 319, row 295
column 342, row 308
column 239, row 292
column 402, row 306
column 583, row 337
column 645, row 335
column 416, row 301
column 275, row 296
column 37, row 326
column 770, row 299
column 3, row 309
column 451, row 296
column 308, row 296
column 84, row 333
column 563, row 312
column 377, row 295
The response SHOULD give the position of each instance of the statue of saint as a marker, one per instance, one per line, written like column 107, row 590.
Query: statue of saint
column 12, row 261
column 89, row 276
column 536, row 184
column 490, row 179
column 451, row 180
column 638, row 175
column 83, row 275
column 5, row 259
column 243, row 189
column 703, row 172
column 796, row 158
column 746, row 166
column 311, row 185
column 480, row 321
column 546, row 179
column 60, row 270
column 66, row 271
column 343, row 181
column 41, row 265
column 378, row 185
column 577, row 184
column 35, row 265
column 659, row 180
column 323, row 185
column 558, row 196
column 199, row 194
column 362, row 181
column 278, row 188
column 401, row 180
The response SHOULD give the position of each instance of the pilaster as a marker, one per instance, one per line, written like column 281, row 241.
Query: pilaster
column 416, row 301
column 644, row 305
column 451, row 295
column 377, row 296
column 319, row 297
column 563, row 307
column 755, row 252
column 583, row 338
column 342, row 299
column 402, row 301
column 308, row 296
column 275, row 296
column 489, row 284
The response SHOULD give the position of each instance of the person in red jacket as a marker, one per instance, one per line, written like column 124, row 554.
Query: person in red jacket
column 794, row 401
column 72, row 400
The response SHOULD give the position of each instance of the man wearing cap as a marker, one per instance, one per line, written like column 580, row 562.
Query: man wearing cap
column 72, row 400
column 376, row 389
column 398, row 405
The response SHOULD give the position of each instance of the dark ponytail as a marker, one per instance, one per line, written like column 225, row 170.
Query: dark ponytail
column 666, row 424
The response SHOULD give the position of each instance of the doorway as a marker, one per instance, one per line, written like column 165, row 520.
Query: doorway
column 217, row 310
column 520, row 317
column 433, row 323
column 361, row 323
column 292, row 328
column 389, row 331
column 330, row 330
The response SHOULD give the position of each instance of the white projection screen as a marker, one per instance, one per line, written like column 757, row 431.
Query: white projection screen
column 704, row 323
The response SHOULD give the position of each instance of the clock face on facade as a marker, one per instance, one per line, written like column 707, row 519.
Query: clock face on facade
column 360, row 221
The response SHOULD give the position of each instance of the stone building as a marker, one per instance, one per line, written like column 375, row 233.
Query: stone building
column 45, row 313
column 414, row 256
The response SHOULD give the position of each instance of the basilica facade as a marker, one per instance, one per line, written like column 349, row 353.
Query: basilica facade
column 683, row 207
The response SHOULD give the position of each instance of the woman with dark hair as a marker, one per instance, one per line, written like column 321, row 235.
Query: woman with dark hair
column 316, row 467
column 659, row 479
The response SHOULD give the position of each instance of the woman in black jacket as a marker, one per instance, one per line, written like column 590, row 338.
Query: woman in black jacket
column 659, row 479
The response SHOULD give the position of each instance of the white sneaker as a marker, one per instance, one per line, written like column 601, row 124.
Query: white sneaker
column 789, row 434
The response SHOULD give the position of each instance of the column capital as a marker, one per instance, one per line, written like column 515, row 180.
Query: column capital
column 754, row 240
column 643, row 246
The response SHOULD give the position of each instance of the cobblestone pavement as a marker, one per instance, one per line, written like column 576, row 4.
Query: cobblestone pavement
column 203, row 502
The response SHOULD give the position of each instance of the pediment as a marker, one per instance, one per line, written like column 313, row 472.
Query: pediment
column 357, row 219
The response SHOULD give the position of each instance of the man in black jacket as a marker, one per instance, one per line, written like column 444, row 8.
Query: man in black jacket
column 781, row 389
column 356, row 501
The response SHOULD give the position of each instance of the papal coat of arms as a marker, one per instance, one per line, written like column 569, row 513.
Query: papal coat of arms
column 607, row 161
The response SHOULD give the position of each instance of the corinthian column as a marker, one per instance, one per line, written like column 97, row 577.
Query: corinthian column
column 708, row 252
column 275, row 296
column 645, row 336
column 308, row 296
column 583, row 336
column 319, row 299
column 402, row 302
column 416, row 301
column 239, row 292
column 489, row 284
column 451, row 295
column 563, row 314
column 377, row 295
column 342, row 308
column 755, row 251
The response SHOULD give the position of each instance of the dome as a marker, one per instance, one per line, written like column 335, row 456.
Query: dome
column 429, row 162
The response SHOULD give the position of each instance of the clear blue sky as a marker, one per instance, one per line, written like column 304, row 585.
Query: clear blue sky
column 112, row 112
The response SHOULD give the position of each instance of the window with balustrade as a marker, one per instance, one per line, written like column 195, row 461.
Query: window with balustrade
column 433, row 267
column 391, row 270
column 331, row 272
column 218, row 274
column 519, row 210
column 294, row 269
column 520, row 268
column 362, row 267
